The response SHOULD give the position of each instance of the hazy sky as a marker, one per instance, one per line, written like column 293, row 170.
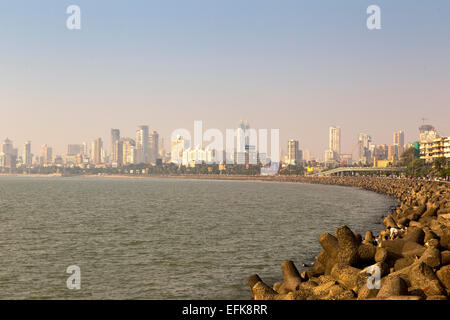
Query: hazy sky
column 299, row 66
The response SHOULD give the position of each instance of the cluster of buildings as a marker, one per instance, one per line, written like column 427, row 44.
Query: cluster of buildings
column 431, row 145
column 245, row 152
column 146, row 148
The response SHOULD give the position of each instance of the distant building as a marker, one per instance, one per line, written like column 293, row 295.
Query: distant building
column 153, row 146
column 74, row 149
column 364, row 142
column 27, row 156
column 142, row 144
column 332, row 154
column 307, row 155
column 335, row 140
column 97, row 152
column 128, row 151
column 399, row 141
column 46, row 156
column 197, row 155
column 436, row 148
column 7, row 147
column 293, row 157
column 114, row 152
column 427, row 133
column 178, row 145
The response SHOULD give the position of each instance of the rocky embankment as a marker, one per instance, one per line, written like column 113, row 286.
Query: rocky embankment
column 408, row 260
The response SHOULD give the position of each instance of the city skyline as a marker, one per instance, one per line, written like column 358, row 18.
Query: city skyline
column 148, row 146
column 295, row 67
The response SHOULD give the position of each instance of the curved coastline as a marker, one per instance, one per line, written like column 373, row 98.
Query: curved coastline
column 411, row 255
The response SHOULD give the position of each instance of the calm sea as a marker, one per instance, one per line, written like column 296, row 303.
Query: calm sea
column 165, row 238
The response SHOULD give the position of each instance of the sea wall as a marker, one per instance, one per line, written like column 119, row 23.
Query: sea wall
column 408, row 260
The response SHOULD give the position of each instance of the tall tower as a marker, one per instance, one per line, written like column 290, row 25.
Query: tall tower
column 399, row 138
column 97, row 151
column 115, row 136
column 335, row 140
column 153, row 146
column 27, row 156
column 7, row 147
column 142, row 144
column 46, row 155
column 293, row 152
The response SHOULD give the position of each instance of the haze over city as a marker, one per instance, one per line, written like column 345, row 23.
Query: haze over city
column 296, row 67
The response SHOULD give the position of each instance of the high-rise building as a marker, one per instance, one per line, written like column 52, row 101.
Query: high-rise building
column 142, row 144
column 427, row 133
column 7, row 146
column 85, row 149
column 334, row 145
column 128, row 151
column 178, row 145
column 399, row 141
column 399, row 138
column 115, row 136
column 364, row 142
column 8, row 155
column 97, row 153
column 335, row 139
column 307, row 155
column 117, row 159
column 46, row 158
column 74, row 149
column 293, row 152
column 153, row 146
column 27, row 156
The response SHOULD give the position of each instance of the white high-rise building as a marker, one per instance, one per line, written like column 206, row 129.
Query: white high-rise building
column 334, row 145
column 335, row 140
column 178, row 146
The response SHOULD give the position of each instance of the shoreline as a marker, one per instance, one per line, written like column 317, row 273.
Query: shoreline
column 411, row 254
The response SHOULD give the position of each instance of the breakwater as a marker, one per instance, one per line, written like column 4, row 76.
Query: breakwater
column 408, row 260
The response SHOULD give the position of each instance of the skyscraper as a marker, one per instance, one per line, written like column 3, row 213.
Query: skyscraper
column 27, row 156
column 427, row 133
column 97, row 151
column 399, row 138
column 115, row 136
column 128, row 151
column 7, row 146
column 178, row 146
column 334, row 144
column 142, row 144
column 74, row 149
column 399, row 142
column 153, row 146
column 117, row 159
column 364, row 141
column 293, row 152
column 335, row 140
column 46, row 155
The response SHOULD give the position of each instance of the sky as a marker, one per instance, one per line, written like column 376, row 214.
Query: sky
column 297, row 66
